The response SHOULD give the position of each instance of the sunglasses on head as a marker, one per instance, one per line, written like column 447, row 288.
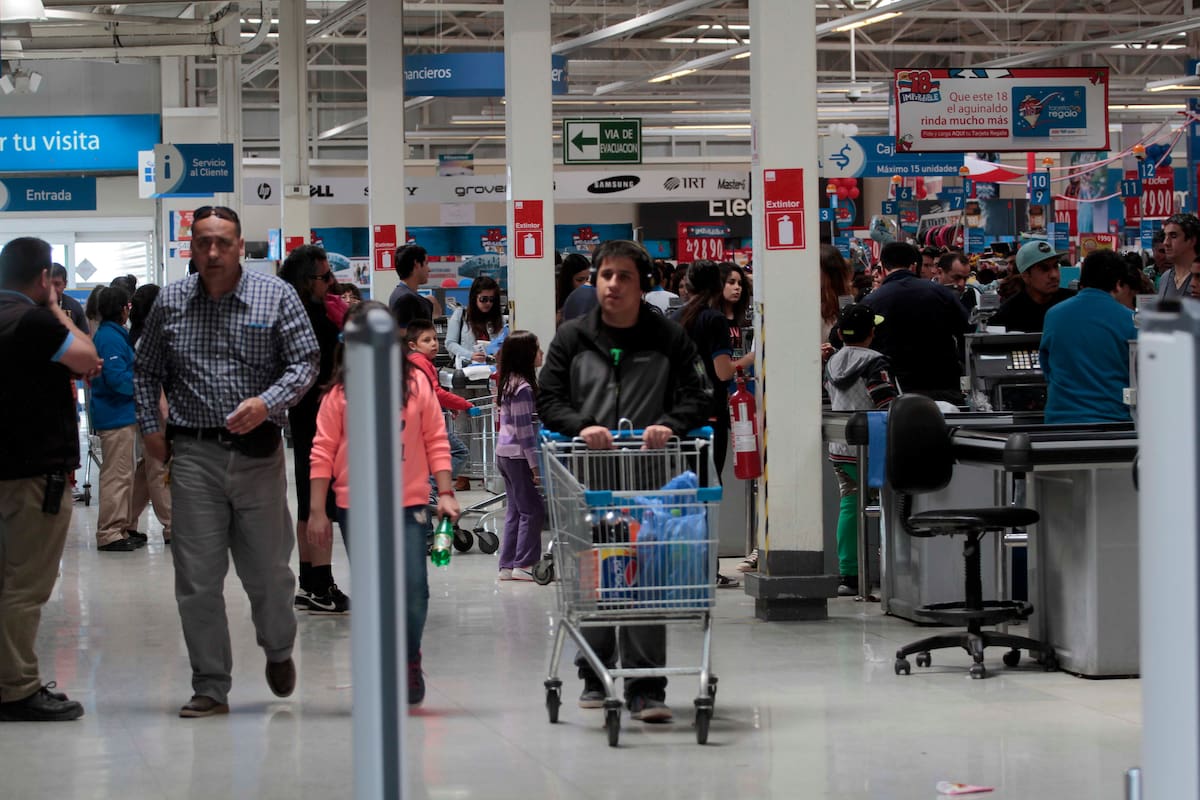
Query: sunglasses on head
column 220, row 212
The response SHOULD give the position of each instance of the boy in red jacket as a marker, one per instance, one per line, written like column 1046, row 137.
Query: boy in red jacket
column 421, row 338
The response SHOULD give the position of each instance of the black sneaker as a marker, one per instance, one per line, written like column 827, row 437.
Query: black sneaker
column 848, row 586
column 302, row 600
column 331, row 602
column 125, row 545
column 647, row 709
column 41, row 706
column 137, row 536
column 416, row 682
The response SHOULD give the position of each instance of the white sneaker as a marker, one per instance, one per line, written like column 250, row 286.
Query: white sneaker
column 506, row 574
column 522, row 574
column 750, row 564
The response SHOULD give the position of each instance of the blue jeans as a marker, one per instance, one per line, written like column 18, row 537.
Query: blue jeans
column 416, row 572
column 459, row 455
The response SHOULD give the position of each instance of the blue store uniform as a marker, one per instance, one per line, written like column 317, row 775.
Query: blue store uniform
column 1085, row 357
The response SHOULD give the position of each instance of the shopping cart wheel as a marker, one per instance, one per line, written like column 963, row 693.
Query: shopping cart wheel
column 488, row 541
column 87, row 494
column 612, row 722
column 704, row 712
column 543, row 571
column 553, row 698
column 463, row 540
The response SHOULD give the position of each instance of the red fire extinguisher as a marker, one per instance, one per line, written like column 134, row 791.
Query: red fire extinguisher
column 747, row 464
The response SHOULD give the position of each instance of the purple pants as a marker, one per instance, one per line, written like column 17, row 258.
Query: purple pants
column 522, row 542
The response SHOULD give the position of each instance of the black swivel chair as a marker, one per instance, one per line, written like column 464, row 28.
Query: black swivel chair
column 920, row 460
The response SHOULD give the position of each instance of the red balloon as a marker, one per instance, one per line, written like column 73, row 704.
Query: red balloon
column 842, row 192
column 854, row 192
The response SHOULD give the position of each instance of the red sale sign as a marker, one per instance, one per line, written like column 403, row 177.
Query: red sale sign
column 529, row 228
column 1158, row 196
column 383, row 247
column 700, row 241
column 290, row 243
column 783, row 208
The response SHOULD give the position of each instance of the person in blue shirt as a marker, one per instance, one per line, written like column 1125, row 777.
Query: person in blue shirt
column 1085, row 348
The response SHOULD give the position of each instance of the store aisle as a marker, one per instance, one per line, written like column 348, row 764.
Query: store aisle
column 804, row 710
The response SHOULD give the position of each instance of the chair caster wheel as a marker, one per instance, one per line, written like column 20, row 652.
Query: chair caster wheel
column 924, row 660
column 978, row 671
column 902, row 666
column 1049, row 662
column 1012, row 658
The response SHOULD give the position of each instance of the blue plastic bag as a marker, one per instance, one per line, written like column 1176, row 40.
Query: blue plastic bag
column 672, row 548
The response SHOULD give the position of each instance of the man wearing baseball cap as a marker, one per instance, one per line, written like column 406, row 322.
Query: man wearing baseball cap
column 1025, row 311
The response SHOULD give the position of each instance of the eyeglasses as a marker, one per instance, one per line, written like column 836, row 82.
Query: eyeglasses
column 220, row 212
column 486, row 298
column 327, row 276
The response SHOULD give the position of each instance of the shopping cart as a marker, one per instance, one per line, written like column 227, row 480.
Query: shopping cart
column 478, row 431
column 634, row 544
column 94, row 454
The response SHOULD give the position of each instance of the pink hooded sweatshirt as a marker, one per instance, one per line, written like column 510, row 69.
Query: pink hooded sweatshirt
column 426, row 449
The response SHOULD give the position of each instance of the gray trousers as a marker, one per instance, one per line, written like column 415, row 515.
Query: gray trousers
column 227, row 503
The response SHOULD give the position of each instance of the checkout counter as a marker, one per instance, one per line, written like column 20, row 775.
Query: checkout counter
column 1082, row 555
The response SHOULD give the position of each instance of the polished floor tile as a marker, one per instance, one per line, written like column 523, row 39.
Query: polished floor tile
column 804, row 710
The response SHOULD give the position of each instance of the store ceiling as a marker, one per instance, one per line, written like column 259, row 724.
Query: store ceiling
column 616, row 50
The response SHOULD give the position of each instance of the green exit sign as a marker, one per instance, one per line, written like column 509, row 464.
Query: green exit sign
column 602, row 141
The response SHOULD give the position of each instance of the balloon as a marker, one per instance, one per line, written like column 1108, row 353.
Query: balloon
column 854, row 193
column 842, row 192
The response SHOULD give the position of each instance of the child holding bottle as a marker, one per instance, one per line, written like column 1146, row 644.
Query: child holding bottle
column 516, row 455
column 426, row 452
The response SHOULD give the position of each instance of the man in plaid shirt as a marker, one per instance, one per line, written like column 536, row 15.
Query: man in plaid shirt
column 233, row 350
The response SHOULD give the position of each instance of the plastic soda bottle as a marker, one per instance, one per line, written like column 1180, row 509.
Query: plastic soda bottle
column 443, row 539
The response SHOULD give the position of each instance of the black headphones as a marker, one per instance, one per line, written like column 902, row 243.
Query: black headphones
column 622, row 248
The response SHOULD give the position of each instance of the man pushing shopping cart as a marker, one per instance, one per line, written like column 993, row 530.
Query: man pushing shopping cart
column 623, row 360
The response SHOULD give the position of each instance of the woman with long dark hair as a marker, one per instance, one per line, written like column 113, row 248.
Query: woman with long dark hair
column 517, row 456
column 481, row 320
column 835, row 282
column 139, row 309
column 735, row 300
column 572, row 273
column 307, row 269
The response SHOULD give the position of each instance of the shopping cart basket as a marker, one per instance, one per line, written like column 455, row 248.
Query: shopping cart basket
column 634, row 544
column 478, row 431
column 94, row 454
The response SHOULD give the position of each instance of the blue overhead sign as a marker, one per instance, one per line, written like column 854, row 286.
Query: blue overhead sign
column 193, row 170
column 47, row 194
column 75, row 144
column 467, row 75
column 876, row 157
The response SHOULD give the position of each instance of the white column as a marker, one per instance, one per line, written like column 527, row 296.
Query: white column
column 783, row 102
column 293, row 119
column 229, row 114
column 528, row 114
column 385, row 127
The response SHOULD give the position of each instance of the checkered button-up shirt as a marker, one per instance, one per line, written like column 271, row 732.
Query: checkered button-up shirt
column 210, row 355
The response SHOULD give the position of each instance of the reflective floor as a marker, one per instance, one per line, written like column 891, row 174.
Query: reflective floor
column 805, row 710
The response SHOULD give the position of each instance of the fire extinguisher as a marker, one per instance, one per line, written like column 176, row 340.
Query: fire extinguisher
column 747, row 464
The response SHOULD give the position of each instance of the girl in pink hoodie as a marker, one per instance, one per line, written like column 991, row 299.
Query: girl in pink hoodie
column 426, row 452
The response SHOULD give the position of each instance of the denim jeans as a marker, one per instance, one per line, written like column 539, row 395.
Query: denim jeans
column 416, row 571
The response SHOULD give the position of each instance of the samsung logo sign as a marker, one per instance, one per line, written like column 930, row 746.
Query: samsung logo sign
column 617, row 183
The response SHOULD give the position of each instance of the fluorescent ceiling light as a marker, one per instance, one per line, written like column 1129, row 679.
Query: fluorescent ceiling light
column 738, row 57
column 1174, row 85
column 702, row 40
column 1146, row 46
column 733, row 27
column 729, row 127
column 862, row 23
column 22, row 11
column 671, row 76
column 1147, row 107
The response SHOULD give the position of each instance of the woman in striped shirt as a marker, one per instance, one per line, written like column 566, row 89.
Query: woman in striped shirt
column 516, row 455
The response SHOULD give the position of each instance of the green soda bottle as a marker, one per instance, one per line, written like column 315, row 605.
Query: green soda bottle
column 443, row 539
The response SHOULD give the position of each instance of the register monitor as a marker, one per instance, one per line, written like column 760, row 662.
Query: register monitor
column 1007, row 370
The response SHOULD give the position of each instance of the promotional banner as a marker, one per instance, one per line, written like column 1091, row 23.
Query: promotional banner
column 585, row 238
column 467, row 74
column 47, row 194
column 876, row 157
column 1157, row 199
column 104, row 143
column 1193, row 156
column 700, row 241
column 456, row 164
column 662, row 184
column 967, row 110
column 193, row 170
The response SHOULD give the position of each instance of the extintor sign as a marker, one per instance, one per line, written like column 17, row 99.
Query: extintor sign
column 528, row 228
column 783, row 208
column 383, row 246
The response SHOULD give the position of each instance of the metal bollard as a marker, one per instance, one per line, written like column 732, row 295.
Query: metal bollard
column 1133, row 783
column 377, row 567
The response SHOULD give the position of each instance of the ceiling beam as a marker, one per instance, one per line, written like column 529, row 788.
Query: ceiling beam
column 629, row 26
column 331, row 23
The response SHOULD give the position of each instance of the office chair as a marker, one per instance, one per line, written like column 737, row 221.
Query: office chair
column 920, row 460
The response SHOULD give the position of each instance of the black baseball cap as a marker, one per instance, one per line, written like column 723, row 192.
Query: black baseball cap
column 857, row 321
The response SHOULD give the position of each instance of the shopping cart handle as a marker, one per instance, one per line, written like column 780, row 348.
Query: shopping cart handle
column 704, row 432
column 474, row 411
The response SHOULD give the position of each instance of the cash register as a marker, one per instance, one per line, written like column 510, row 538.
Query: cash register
column 1004, row 371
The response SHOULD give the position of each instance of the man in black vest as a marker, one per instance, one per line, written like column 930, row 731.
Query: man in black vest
column 41, row 350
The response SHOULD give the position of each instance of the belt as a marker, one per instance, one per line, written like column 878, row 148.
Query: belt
column 202, row 434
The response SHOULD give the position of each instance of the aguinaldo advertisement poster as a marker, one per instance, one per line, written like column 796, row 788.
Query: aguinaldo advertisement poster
column 1028, row 110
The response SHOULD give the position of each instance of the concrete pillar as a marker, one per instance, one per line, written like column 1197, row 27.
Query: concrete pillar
column 528, row 114
column 385, row 127
column 229, row 114
column 791, row 583
column 293, row 119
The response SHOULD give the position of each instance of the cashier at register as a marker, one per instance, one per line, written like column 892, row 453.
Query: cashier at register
column 1025, row 311
column 1085, row 348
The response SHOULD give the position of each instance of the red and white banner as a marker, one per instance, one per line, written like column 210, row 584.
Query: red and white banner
column 529, row 228
column 699, row 241
column 1157, row 200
